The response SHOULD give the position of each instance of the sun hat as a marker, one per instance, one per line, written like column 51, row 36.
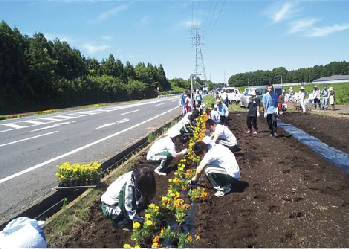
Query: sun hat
column 302, row 87
column 331, row 88
column 172, row 133
column 315, row 86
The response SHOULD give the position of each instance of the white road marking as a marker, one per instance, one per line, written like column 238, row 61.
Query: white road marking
column 34, row 123
column 28, row 138
column 15, row 126
column 80, row 148
column 6, row 130
column 117, row 122
column 159, row 104
column 129, row 112
column 51, row 119
column 53, row 126
column 63, row 116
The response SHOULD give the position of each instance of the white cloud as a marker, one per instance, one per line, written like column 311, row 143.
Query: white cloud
column 62, row 38
column 188, row 24
column 324, row 31
column 282, row 10
column 302, row 25
column 144, row 21
column 93, row 49
column 106, row 37
column 112, row 12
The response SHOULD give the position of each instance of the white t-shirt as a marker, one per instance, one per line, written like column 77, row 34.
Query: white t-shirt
column 222, row 156
column 162, row 145
column 215, row 116
column 225, row 134
column 185, row 120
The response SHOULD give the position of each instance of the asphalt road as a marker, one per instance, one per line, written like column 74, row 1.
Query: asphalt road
column 31, row 147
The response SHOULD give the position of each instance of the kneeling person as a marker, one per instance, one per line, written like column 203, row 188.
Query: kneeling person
column 222, row 135
column 219, row 165
column 128, row 195
column 164, row 150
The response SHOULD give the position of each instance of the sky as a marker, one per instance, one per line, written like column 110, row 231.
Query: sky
column 235, row 36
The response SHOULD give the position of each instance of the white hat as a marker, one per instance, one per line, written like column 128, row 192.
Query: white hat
column 302, row 87
column 173, row 132
column 207, row 140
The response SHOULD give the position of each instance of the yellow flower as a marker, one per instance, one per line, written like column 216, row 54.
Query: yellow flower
column 152, row 206
column 127, row 246
column 190, row 239
column 169, row 180
column 62, row 177
column 137, row 246
column 156, row 239
column 147, row 216
column 136, row 225
column 197, row 237
column 57, row 175
column 149, row 222
column 172, row 194
column 155, row 245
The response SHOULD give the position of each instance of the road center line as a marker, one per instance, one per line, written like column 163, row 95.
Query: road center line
column 159, row 104
column 80, row 148
column 117, row 122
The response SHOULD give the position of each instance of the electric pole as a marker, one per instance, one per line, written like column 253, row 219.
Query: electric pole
column 199, row 59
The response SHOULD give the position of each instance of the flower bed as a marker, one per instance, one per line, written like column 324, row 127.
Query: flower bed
column 72, row 175
column 165, row 224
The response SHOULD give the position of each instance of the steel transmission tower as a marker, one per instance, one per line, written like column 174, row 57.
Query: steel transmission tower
column 199, row 59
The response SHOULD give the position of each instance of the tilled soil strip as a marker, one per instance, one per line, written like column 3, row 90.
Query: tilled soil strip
column 287, row 197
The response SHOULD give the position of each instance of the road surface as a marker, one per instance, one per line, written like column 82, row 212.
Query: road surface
column 31, row 147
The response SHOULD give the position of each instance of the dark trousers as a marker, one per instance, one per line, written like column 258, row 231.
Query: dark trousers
column 251, row 121
column 317, row 101
column 272, row 122
column 224, row 120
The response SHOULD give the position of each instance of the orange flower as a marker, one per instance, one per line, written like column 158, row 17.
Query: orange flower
column 156, row 239
column 184, row 188
column 190, row 239
column 197, row 237
column 204, row 195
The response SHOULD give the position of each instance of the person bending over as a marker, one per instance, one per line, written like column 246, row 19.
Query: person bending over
column 222, row 135
column 219, row 166
column 164, row 150
column 127, row 196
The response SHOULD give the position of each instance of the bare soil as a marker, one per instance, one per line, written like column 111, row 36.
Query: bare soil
column 287, row 196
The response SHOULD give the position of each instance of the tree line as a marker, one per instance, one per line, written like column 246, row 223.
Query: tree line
column 36, row 73
column 275, row 76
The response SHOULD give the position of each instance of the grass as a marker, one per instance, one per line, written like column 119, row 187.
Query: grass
column 209, row 99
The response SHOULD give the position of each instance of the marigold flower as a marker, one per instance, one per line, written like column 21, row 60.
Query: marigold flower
column 156, row 239
column 149, row 222
column 136, row 225
column 162, row 231
column 169, row 180
column 155, row 245
column 127, row 246
column 137, row 246
column 190, row 238
column 197, row 237
column 147, row 216
column 151, row 206
column 184, row 188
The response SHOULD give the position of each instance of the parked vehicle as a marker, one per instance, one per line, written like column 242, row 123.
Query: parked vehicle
column 260, row 91
column 234, row 94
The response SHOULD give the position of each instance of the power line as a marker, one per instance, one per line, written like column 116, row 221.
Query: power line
column 217, row 18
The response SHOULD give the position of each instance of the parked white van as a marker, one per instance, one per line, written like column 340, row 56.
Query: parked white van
column 260, row 90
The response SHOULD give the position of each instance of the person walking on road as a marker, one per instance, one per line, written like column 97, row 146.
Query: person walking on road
column 164, row 150
column 182, row 103
column 198, row 98
column 253, row 113
column 324, row 94
column 218, row 164
column 270, row 106
column 316, row 95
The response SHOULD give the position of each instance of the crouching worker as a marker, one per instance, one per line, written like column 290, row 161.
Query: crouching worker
column 164, row 150
column 221, row 134
column 218, row 164
column 127, row 196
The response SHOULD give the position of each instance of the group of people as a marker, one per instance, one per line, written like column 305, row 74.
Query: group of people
column 187, row 104
column 320, row 98
column 133, row 191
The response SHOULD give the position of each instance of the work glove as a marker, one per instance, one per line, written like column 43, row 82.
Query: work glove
column 265, row 115
column 258, row 114
column 193, row 180
column 185, row 151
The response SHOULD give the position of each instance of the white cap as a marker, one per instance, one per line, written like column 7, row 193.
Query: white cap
column 173, row 132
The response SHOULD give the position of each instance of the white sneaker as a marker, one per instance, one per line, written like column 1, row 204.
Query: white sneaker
column 222, row 191
column 157, row 171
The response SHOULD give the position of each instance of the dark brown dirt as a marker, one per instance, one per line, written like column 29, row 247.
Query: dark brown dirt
column 330, row 130
column 288, row 196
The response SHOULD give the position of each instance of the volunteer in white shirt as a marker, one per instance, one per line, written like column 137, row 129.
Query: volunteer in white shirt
column 219, row 165
column 222, row 135
column 164, row 150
